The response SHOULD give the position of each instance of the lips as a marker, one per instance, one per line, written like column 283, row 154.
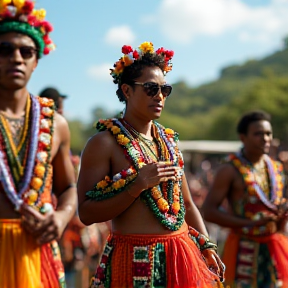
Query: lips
column 15, row 72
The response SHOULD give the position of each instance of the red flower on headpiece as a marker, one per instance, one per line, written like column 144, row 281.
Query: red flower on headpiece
column 126, row 49
column 47, row 40
column 135, row 55
column 31, row 19
column 47, row 27
column 46, row 51
column 28, row 7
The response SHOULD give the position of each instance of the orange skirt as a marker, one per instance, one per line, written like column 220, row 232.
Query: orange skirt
column 25, row 264
column 243, row 264
column 153, row 261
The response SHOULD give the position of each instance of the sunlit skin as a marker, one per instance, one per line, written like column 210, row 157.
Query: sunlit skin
column 228, row 183
column 103, row 156
column 15, row 73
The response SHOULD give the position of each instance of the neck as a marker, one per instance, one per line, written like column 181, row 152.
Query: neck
column 142, row 126
column 252, row 157
column 13, row 102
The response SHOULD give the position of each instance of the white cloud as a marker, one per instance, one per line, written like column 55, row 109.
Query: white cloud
column 100, row 72
column 184, row 20
column 119, row 35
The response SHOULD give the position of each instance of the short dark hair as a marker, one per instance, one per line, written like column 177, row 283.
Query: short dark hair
column 247, row 119
column 135, row 70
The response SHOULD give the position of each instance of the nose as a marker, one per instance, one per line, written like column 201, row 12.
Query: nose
column 16, row 56
column 159, row 96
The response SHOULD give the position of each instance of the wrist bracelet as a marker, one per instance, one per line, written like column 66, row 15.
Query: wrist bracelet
column 201, row 241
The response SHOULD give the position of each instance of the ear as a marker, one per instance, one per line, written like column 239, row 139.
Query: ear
column 126, row 89
column 242, row 137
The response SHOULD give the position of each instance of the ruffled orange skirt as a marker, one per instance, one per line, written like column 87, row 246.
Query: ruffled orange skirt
column 153, row 261
column 23, row 263
column 241, row 257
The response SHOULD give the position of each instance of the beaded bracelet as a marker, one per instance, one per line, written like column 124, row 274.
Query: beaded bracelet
column 201, row 241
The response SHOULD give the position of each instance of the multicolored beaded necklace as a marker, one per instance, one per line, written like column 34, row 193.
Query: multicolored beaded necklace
column 254, row 189
column 31, row 181
column 165, row 200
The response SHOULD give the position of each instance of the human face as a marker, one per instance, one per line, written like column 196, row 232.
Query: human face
column 138, row 102
column 15, row 70
column 258, row 138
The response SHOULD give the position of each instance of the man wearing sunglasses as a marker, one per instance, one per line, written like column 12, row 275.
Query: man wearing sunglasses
column 29, row 225
column 132, row 173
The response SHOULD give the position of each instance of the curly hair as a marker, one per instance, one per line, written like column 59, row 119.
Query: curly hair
column 135, row 70
column 247, row 119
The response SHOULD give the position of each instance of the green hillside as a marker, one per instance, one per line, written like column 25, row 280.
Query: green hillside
column 212, row 110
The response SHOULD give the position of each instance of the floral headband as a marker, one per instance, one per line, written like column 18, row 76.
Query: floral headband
column 20, row 16
column 130, row 56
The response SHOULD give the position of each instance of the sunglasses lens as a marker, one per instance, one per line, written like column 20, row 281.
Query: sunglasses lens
column 151, row 89
column 27, row 52
column 6, row 50
column 166, row 90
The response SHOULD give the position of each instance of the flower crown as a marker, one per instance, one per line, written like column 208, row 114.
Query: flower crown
column 20, row 16
column 130, row 56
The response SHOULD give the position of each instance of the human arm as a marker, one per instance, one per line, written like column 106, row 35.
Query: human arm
column 50, row 226
column 99, row 155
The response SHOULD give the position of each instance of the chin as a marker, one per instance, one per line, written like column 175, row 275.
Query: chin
column 15, row 85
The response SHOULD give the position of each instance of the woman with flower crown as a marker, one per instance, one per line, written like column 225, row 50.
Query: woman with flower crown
column 34, row 142
column 132, row 172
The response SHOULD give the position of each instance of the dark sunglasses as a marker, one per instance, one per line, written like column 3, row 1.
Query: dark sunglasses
column 7, row 49
column 152, row 89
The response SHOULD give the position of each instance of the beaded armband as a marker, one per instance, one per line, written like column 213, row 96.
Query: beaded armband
column 108, row 187
column 201, row 241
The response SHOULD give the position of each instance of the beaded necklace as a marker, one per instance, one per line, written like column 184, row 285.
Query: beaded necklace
column 16, row 153
column 37, row 164
column 254, row 189
column 151, row 154
column 165, row 200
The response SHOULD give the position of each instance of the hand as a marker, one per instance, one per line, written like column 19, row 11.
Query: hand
column 214, row 263
column 152, row 174
column 44, row 227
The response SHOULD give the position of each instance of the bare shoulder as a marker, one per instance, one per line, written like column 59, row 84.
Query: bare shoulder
column 60, row 124
column 226, row 172
column 100, row 145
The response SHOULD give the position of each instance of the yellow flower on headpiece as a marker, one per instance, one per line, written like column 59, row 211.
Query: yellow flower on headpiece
column 127, row 60
column 146, row 47
column 39, row 14
column 119, row 67
column 5, row 2
column 19, row 4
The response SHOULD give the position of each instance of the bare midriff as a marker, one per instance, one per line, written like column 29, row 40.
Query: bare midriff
column 6, row 208
column 139, row 219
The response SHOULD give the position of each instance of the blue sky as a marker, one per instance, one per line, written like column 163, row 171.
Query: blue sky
column 206, row 36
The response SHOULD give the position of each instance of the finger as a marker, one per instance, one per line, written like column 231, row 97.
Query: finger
column 29, row 211
column 167, row 178
column 46, row 238
column 221, row 267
